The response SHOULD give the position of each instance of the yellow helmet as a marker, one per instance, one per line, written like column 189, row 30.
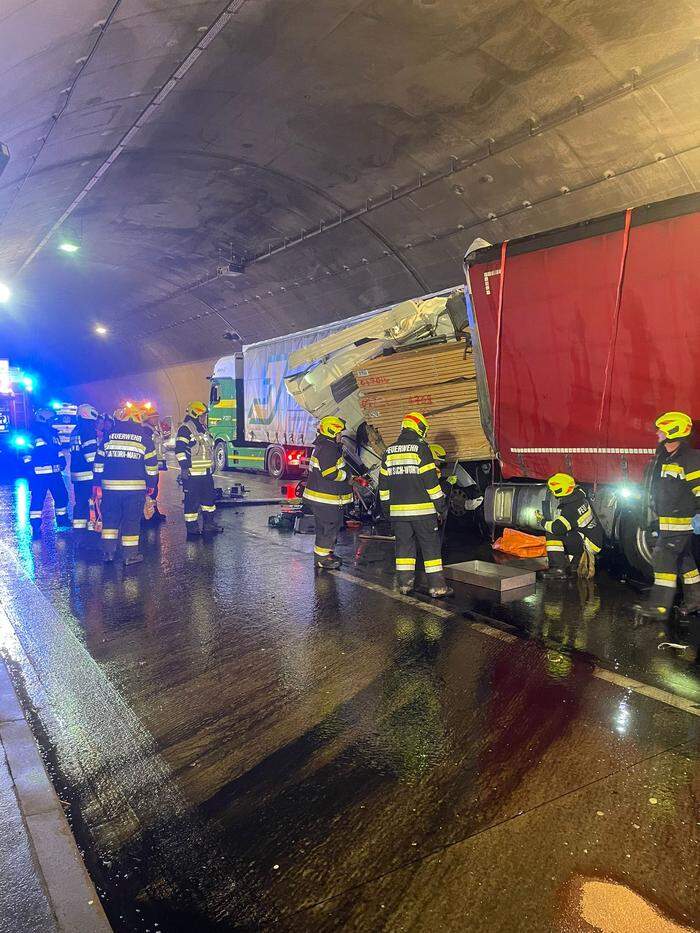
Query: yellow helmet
column 439, row 453
column 416, row 422
column 330, row 426
column 128, row 412
column 561, row 484
column 196, row 409
column 674, row 425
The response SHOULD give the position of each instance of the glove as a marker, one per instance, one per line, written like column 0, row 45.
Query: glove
column 539, row 517
column 452, row 480
column 696, row 524
column 150, row 490
column 360, row 481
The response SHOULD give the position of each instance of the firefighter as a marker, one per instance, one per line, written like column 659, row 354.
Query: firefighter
column 83, row 450
column 46, row 462
column 574, row 534
column 151, row 420
column 410, row 491
column 675, row 491
column 327, row 490
column 126, row 466
column 194, row 450
column 447, row 481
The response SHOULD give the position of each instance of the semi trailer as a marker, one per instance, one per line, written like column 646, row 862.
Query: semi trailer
column 582, row 336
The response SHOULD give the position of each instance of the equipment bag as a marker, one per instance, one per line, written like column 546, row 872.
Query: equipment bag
column 520, row 544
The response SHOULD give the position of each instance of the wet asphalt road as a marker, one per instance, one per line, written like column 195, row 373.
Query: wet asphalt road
column 245, row 745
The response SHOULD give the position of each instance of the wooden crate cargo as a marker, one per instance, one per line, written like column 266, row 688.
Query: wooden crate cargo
column 440, row 381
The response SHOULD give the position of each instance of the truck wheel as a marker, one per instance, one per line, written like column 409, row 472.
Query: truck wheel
column 636, row 544
column 220, row 457
column 276, row 462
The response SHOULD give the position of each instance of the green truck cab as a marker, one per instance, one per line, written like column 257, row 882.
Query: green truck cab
column 254, row 439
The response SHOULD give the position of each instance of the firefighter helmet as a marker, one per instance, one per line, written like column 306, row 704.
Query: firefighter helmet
column 416, row 422
column 87, row 412
column 43, row 415
column 439, row 453
column 128, row 412
column 330, row 426
column 674, row 425
column 196, row 410
column 561, row 484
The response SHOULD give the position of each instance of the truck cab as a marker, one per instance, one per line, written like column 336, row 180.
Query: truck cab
column 227, row 424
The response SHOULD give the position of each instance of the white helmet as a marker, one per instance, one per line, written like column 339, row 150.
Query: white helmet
column 88, row 412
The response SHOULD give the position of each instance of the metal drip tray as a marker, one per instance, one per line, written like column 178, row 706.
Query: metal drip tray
column 491, row 576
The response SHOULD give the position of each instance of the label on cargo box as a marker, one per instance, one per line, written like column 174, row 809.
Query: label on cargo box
column 374, row 380
column 420, row 400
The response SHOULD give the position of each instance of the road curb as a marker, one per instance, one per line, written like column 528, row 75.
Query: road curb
column 69, row 889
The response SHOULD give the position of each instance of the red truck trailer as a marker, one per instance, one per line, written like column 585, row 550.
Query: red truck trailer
column 583, row 336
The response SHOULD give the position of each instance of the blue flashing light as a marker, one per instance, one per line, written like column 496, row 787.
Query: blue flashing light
column 55, row 405
column 20, row 441
column 28, row 383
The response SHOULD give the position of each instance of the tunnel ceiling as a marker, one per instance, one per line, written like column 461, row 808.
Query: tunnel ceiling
column 167, row 136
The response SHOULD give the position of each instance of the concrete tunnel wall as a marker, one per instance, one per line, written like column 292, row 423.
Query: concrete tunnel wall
column 170, row 388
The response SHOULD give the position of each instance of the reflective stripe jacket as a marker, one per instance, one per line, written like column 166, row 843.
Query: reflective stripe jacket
column 83, row 450
column 328, row 478
column 45, row 456
column 675, row 487
column 194, row 448
column 574, row 513
column 126, row 458
column 409, row 482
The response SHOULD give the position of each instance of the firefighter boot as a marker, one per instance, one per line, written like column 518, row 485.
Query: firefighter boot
column 327, row 563
column 211, row 528
column 406, row 587
column 691, row 601
column 133, row 559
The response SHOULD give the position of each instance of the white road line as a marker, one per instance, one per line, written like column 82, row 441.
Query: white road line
column 619, row 680
column 655, row 693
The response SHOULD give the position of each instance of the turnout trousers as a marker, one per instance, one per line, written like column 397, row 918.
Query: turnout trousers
column 40, row 487
column 121, row 519
column 418, row 534
column 199, row 497
column 671, row 558
column 566, row 550
column 81, row 510
column 328, row 520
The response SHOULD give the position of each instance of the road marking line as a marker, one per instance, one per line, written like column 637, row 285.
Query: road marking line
column 655, row 693
column 619, row 680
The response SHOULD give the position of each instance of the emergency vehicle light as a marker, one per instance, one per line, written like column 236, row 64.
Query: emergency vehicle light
column 55, row 405
column 19, row 440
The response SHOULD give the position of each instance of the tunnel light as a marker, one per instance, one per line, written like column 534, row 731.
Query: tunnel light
column 101, row 330
column 5, row 293
column 68, row 247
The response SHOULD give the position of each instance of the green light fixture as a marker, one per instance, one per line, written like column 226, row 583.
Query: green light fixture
column 68, row 247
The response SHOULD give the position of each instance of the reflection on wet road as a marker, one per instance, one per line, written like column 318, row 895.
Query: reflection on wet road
column 245, row 744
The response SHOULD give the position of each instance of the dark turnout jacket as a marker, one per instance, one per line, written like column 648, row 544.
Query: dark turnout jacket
column 328, row 478
column 126, row 459
column 409, row 482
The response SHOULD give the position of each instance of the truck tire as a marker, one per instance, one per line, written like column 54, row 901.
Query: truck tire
column 636, row 544
column 276, row 462
column 220, row 457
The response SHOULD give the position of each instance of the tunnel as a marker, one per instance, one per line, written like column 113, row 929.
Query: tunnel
column 348, row 466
